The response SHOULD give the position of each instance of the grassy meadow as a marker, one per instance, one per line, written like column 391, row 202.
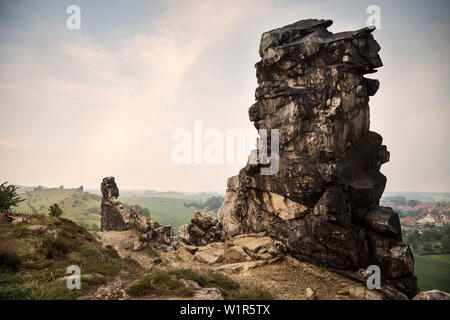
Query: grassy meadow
column 433, row 271
column 79, row 206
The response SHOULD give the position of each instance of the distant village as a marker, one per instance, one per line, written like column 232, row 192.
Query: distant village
column 420, row 216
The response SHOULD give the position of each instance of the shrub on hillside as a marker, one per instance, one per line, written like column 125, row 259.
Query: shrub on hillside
column 55, row 210
column 9, row 257
column 159, row 282
column 53, row 248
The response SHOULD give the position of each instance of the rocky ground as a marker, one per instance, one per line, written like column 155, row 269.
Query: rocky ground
column 249, row 260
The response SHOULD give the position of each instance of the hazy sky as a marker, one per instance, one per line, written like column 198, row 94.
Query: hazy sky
column 78, row 105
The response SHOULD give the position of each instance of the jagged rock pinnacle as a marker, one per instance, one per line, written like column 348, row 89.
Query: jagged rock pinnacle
column 323, row 202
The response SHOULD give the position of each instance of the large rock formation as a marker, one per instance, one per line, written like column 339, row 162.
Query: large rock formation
column 323, row 202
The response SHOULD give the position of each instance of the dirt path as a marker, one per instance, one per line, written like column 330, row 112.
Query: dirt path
column 289, row 279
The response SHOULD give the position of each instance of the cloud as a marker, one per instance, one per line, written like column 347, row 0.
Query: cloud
column 81, row 104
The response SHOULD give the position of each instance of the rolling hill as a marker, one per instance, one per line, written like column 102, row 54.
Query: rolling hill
column 84, row 207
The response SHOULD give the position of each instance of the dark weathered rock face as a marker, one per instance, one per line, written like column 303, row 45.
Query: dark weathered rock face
column 323, row 202
column 202, row 230
column 113, row 216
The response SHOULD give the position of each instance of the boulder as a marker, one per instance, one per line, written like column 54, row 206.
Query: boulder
column 401, row 261
column 240, row 266
column 202, row 229
column 209, row 255
column 163, row 234
column 432, row 295
column 235, row 254
column 383, row 220
column 309, row 293
column 37, row 228
column 363, row 293
column 184, row 254
column 208, row 294
column 260, row 248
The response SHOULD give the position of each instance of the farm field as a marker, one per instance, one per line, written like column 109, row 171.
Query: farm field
column 433, row 271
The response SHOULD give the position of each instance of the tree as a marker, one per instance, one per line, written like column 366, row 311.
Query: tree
column 8, row 197
column 213, row 203
column 427, row 247
column 55, row 210
column 411, row 237
column 446, row 244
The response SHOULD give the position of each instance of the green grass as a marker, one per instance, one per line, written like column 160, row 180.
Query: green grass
column 79, row 206
column 33, row 263
column 159, row 282
column 433, row 272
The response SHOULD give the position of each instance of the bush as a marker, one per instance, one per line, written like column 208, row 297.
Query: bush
column 427, row 247
column 53, row 248
column 159, row 282
column 14, row 293
column 208, row 279
column 169, row 283
column 9, row 257
column 55, row 210
column 253, row 293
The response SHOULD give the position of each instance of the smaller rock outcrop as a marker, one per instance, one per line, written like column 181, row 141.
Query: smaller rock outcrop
column 136, row 220
column 163, row 234
column 115, row 218
column 202, row 229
